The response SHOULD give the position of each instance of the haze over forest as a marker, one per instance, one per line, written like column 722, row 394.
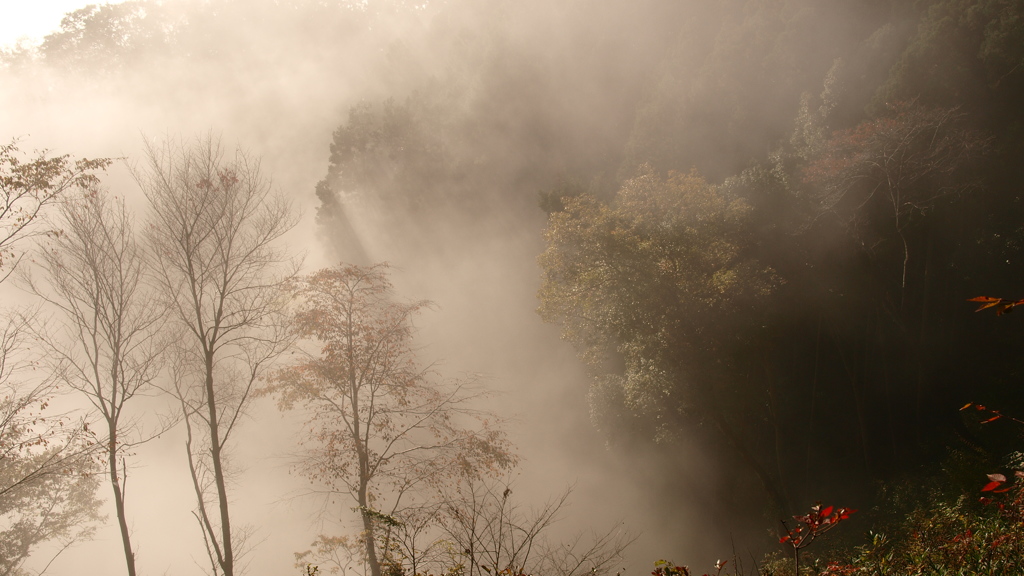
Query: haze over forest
column 701, row 263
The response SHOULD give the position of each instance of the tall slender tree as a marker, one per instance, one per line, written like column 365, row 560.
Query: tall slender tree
column 93, row 274
column 214, row 226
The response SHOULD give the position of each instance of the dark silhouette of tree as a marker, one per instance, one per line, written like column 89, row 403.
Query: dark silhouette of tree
column 894, row 168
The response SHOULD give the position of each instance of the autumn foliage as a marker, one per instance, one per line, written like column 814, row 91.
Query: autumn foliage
column 1002, row 305
column 381, row 429
column 813, row 524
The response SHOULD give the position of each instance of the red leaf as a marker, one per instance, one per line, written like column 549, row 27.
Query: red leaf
column 987, row 302
column 991, row 486
column 826, row 512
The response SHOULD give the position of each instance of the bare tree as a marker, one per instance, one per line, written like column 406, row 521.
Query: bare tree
column 213, row 231
column 93, row 275
column 900, row 166
column 493, row 534
column 382, row 430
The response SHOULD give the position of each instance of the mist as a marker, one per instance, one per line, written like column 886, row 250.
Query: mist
column 822, row 358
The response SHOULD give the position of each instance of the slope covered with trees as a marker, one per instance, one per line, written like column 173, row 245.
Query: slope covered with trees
column 816, row 344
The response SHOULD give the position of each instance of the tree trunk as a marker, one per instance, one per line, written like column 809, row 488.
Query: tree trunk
column 227, row 560
column 364, row 464
column 115, row 483
column 368, row 533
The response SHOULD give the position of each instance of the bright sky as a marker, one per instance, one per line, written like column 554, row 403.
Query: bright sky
column 35, row 18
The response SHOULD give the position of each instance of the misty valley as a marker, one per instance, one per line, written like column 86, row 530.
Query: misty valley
column 513, row 288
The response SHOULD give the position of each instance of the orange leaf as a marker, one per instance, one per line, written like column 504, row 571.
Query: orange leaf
column 1003, row 306
column 987, row 301
column 991, row 486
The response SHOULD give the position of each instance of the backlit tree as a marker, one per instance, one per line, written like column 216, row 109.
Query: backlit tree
column 213, row 232
column 104, row 347
column 382, row 430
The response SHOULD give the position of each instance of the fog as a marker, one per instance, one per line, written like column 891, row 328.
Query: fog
column 278, row 89
column 436, row 136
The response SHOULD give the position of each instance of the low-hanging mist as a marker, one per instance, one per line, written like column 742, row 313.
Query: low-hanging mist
column 853, row 164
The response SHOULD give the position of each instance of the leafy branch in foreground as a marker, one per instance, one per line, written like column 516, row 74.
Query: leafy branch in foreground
column 811, row 526
column 27, row 188
column 1002, row 305
column 47, row 461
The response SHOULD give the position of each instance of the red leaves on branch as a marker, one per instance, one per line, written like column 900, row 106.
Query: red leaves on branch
column 666, row 568
column 992, row 414
column 997, row 483
column 994, row 488
column 1002, row 305
column 813, row 524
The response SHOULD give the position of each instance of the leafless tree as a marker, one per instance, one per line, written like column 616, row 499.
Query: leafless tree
column 900, row 165
column 93, row 275
column 214, row 229
column 493, row 534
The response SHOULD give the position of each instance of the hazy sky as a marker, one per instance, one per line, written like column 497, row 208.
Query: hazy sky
column 35, row 18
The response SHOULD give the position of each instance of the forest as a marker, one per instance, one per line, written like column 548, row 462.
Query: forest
column 702, row 280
